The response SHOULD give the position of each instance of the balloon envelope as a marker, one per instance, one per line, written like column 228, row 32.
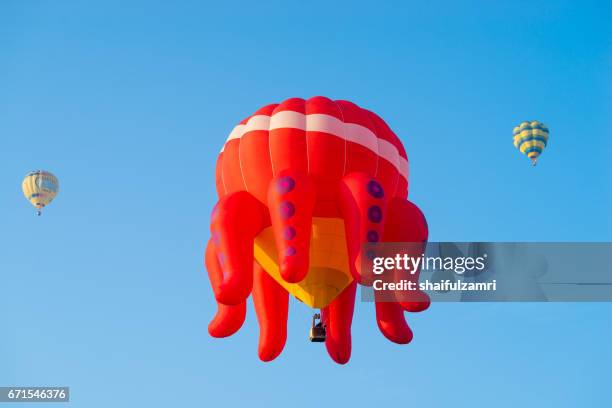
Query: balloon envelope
column 531, row 138
column 40, row 188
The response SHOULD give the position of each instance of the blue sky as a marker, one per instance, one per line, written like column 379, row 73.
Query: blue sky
column 128, row 104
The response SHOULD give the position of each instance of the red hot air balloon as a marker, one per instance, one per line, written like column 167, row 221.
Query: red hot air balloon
column 302, row 185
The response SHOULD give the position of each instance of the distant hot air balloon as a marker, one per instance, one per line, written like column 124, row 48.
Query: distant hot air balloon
column 531, row 137
column 40, row 188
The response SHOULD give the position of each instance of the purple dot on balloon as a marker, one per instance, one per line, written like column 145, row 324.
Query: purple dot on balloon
column 285, row 185
column 372, row 236
column 216, row 238
column 289, row 233
column 375, row 214
column 375, row 189
column 290, row 251
column 287, row 210
column 370, row 255
column 221, row 258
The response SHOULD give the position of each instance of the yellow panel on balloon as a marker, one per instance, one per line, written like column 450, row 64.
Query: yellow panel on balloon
column 329, row 273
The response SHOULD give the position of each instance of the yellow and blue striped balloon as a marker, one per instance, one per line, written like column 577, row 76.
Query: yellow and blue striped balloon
column 531, row 138
column 40, row 188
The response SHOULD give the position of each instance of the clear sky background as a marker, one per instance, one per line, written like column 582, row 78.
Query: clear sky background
column 128, row 103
